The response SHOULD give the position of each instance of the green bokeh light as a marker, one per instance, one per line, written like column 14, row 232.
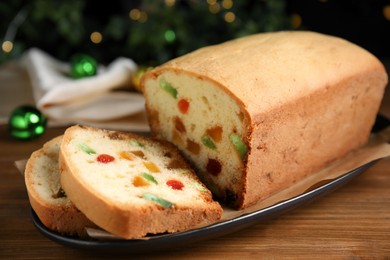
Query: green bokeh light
column 170, row 36
column 83, row 66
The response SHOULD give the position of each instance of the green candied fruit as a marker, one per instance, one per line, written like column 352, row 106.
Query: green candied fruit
column 86, row 148
column 149, row 177
column 206, row 140
column 135, row 142
column 162, row 202
column 165, row 85
column 239, row 145
column 199, row 187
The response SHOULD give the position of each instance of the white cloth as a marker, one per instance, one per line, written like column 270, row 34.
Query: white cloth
column 96, row 98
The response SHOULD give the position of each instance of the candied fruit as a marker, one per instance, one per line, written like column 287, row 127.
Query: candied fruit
column 215, row 133
column 151, row 166
column 156, row 199
column 176, row 164
column 176, row 137
column 206, row 140
column 183, row 105
column 239, row 145
column 213, row 167
column 86, row 148
column 175, row 184
column 139, row 181
column 105, row 158
column 149, row 177
column 166, row 86
column 193, row 147
column 139, row 154
column 127, row 155
column 179, row 125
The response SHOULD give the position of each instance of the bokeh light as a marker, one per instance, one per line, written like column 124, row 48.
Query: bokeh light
column 96, row 37
column 386, row 12
column 7, row 46
column 230, row 17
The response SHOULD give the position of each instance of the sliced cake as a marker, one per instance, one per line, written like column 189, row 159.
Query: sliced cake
column 131, row 185
column 47, row 198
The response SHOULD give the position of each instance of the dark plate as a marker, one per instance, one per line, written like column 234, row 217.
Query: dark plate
column 176, row 240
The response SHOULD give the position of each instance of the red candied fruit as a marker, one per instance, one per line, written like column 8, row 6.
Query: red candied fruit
column 183, row 105
column 213, row 167
column 175, row 184
column 105, row 158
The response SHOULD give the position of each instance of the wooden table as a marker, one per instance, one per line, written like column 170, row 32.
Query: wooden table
column 352, row 222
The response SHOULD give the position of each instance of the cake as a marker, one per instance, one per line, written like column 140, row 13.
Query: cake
column 47, row 198
column 255, row 114
column 132, row 186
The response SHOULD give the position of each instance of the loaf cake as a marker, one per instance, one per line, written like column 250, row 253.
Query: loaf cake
column 49, row 201
column 132, row 186
column 258, row 113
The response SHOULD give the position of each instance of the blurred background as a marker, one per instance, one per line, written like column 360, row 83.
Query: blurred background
column 152, row 32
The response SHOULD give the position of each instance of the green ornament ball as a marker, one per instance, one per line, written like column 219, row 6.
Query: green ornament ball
column 82, row 66
column 26, row 122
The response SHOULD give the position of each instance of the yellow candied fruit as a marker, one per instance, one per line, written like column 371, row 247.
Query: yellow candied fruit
column 176, row 164
column 126, row 155
column 151, row 166
column 179, row 125
column 138, row 181
column 176, row 138
column 215, row 133
column 193, row 147
column 139, row 153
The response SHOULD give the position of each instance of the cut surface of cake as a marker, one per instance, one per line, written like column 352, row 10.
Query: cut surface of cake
column 47, row 198
column 256, row 114
column 131, row 185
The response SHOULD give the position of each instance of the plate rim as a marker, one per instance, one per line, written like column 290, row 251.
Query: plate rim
column 218, row 229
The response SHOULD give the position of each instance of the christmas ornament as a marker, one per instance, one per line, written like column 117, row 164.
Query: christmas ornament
column 83, row 65
column 26, row 122
column 136, row 78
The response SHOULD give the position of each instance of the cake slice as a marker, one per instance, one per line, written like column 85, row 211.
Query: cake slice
column 49, row 201
column 132, row 186
column 258, row 113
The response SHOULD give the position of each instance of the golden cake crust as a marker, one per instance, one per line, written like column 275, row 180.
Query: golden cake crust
column 261, row 70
